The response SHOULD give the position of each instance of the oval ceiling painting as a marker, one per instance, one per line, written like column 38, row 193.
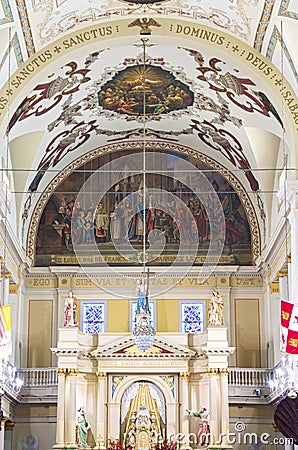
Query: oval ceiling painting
column 126, row 91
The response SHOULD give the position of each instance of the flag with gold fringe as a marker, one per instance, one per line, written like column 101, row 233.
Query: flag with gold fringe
column 289, row 327
column 5, row 331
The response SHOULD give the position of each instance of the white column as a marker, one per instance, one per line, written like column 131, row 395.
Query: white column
column 172, row 427
column 214, row 399
column 101, row 415
column 184, row 405
column 60, row 426
column 292, row 198
column 224, row 395
column 71, row 408
column 283, row 284
column 2, row 434
column 113, row 421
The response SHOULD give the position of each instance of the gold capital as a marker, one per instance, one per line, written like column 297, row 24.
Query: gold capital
column 212, row 371
column 282, row 273
column 101, row 375
column 184, row 375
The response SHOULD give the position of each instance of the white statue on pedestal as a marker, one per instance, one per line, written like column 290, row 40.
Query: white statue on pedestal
column 215, row 310
column 204, row 429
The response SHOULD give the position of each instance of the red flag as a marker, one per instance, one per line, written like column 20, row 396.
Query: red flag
column 289, row 327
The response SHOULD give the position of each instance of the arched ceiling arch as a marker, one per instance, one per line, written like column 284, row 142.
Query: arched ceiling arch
column 214, row 51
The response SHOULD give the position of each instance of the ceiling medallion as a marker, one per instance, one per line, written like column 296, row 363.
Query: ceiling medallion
column 164, row 93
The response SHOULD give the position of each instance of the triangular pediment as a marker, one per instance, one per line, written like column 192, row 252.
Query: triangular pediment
column 127, row 348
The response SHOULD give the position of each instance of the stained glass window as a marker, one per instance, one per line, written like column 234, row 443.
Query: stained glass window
column 133, row 314
column 192, row 317
column 93, row 317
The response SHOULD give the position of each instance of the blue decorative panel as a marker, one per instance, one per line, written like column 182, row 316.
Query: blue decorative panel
column 192, row 317
column 93, row 318
column 133, row 314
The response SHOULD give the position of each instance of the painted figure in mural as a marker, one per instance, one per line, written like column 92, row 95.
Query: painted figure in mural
column 136, row 225
column 101, row 220
column 57, row 222
column 70, row 310
column 116, row 224
column 141, row 294
column 215, row 310
column 82, row 428
column 67, row 227
column 204, row 429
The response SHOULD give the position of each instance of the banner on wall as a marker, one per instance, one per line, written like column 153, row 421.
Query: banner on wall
column 5, row 331
column 289, row 327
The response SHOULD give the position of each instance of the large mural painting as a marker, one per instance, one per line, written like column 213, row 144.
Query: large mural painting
column 111, row 221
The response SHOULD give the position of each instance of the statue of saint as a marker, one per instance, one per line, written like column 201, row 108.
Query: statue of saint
column 215, row 310
column 204, row 429
column 70, row 310
column 82, row 428
column 141, row 294
column 131, row 439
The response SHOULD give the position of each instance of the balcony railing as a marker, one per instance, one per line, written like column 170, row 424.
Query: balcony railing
column 38, row 377
column 249, row 377
column 274, row 382
column 237, row 377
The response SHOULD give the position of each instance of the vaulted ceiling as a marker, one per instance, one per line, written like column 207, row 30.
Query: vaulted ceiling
column 222, row 77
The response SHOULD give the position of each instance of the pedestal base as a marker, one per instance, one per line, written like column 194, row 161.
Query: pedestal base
column 68, row 447
column 100, row 445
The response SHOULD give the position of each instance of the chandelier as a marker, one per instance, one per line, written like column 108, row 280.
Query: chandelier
column 144, row 333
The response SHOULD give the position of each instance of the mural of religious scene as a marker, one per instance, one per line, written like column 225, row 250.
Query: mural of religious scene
column 124, row 94
column 108, row 224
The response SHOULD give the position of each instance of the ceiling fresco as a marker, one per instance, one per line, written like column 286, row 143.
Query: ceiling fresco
column 87, row 83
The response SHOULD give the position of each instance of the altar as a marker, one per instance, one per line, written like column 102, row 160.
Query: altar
column 136, row 399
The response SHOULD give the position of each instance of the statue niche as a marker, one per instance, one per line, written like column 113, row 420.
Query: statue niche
column 143, row 426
